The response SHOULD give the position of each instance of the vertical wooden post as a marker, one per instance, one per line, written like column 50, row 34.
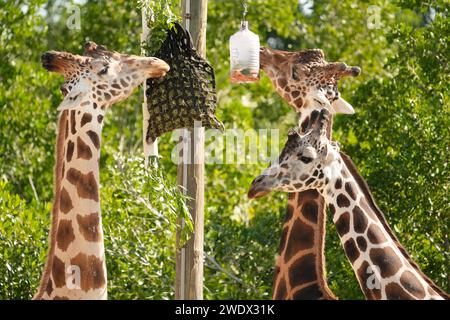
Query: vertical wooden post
column 189, row 260
column 150, row 149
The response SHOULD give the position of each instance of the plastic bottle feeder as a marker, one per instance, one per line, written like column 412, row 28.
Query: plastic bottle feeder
column 244, row 55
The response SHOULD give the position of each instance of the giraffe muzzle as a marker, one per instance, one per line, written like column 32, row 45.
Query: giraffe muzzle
column 258, row 188
column 49, row 60
column 158, row 68
column 263, row 57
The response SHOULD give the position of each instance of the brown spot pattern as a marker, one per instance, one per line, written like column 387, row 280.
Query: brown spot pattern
column 350, row 190
column 301, row 237
column 386, row 260
column 66, row 129
column 342, row 201
column 83, row 150
column 73, row 122
column 289, row 212
column 410, row 282
column 375, row 235
column 65, row 202
column 58, row 272
column 396, row 292
column 309, row 181
column 304, row 269
column 91, row 269
column 64, row 235
column 362, row 243
column 49, row 288
column 87, row 117
column 359, row 220
column 85, row 184
column 89, row 226
column 343, row 224
column 69, row 152
column 94, row 138
column 310, row 211
column 351, row 250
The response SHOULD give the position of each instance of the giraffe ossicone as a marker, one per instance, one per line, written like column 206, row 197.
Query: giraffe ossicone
column 311, row 161
column 75, row 266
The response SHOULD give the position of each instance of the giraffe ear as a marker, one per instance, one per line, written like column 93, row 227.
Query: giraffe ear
column 342, row 106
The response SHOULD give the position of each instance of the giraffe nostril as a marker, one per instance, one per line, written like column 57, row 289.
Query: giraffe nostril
column 46, row 56
column 48, row 61
column 258, row 179
column 356, row 71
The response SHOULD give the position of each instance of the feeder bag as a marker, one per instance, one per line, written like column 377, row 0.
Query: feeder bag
column 187, row 93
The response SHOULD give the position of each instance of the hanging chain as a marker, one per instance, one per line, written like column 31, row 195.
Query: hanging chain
column 244, row 14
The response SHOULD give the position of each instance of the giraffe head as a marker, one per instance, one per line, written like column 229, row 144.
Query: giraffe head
column 305, row 79
column 102, row 76
column 308, row 161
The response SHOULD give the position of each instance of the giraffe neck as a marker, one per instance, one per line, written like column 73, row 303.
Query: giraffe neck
column 299, row 272
column 300, row 266
column 280, row 85
column 75, row 267
column 383, row 267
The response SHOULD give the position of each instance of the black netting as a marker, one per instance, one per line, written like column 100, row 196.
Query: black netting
column 186, row 94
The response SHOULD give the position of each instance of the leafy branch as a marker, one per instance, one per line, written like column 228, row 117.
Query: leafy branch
column 161, row 17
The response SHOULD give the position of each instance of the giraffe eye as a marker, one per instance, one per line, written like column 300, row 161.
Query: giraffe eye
column 295, row 74
column 103, row 71
column 305, row 159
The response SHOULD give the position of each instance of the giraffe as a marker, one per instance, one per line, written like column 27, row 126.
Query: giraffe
column 382, row 266
column 75, row 267
column 306, row 81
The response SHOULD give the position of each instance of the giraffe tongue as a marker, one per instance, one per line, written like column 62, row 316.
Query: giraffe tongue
column 256, row 192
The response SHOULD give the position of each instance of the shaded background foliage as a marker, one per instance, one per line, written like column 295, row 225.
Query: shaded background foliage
column 399, row 139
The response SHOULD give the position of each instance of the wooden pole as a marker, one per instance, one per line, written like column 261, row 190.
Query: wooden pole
column 150, row 149
column 189, row 260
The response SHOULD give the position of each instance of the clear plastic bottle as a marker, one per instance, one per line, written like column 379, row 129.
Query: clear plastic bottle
column 244, row 55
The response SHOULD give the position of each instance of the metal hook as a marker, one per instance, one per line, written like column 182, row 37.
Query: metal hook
column 244, row 14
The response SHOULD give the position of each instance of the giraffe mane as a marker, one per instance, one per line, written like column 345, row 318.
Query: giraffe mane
column 362, row 184
column 57, row 187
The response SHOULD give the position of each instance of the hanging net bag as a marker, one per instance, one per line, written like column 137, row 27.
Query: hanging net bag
column 187, row 93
